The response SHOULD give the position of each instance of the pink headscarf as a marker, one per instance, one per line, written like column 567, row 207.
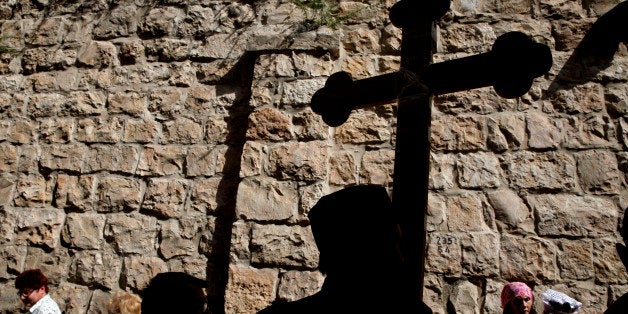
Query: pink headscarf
column 514, row 289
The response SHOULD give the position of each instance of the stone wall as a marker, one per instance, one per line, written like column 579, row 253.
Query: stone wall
column 143, row 136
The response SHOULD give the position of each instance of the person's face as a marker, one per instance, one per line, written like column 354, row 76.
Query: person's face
column 521, row 305
column 30, row 296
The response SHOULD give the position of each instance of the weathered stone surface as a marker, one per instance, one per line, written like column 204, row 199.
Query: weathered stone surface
column 266, row 200
column 574, row 259
column 99, row 130
column 527, row 259
column 608, row 267
column 12, row 259
column 465, row 212
column 541, row 171
column 511, row 213
column 139, row 270
column 274, row 245
column 301, row 161
column 132, row 103
column 132, row 233
column 252, row 160
column 39, row 227
column 178, row 238
column 122, row 158
column 591, row 131
column 161, row 160
column 478, row 170
column 543, row 133
column 84, row 231
column 268, row 124
column 96, row 268
column 313, row 65
column 249, row 290
column 240, row 252
column 97, row 54
column 273, row 65
column 140, row 131
column 436, row 216
column 204, row 195
column 575, row 216
column 598, row 172
column 68, row 157
column 309, row 196
column 376, row 167
column 457, row 133
column 56, row 130
column 295, row 285
column 441, row 171
column 479, row 256
column 363, row 127
column 445, row 254
column 165, row 197
column 183, row 131
column 465, row 298
column 71, row 298
column 342, row 168
column 115, row 194
column 299, row 92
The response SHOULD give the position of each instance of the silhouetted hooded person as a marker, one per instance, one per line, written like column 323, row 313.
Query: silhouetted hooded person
column 174, row 292
column 357, row 238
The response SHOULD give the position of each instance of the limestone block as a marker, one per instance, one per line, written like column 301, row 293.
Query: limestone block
column 561, row 9
column 46, row 105
column 43, row 82
column 165, row 197
column 216, row 130
column 214, row 71
column 199, row 22
column 140, row 131
column 43, row 59
column 68, row 157
column 221, row 46
column 175, row 242
column 342, row 168
column 457, row 133
column 273, row 65
column 309, row 195
column 9, row 300
column 54, row 264
column 569, row 33
column 161, row 21
column 465, row 298
column 436, row 216
column 478, row 170
column 12, row 260
column 71, row 298
column 249, row 290
column 252, row 160
column 616, row 291
column 207, row 160
column 445, row 254
column 304, row 161
column 391, row 39
column 205, row 195
column 167, row 49
column 88, row 103
column 183, row 131
column 116, row 194
column 598, row 172
column 571, row 215
column 99, row 300
column 111, row 158
column 67, row 80
column 29, row 159
column 8, row 158
column 441, row 171
column 268, row 124
column 7, row 184
column 96, row 268
column 8, row 218
column 541, row 171
column 33, row 190
column 594, row 297
column 360, row 66
column 364, row 127
column 376, row 167
column 98, row 54
column 495, row 139
column 56, row 130
column 266, row 199
column 592, row 131
column 183, row 74
column 543, row 133
column 575, row 259
column 161, row 160
column 120, row 22
column 23, row 131
column 433, row 293
column 299, row 93
column 165, row 103
column 358, row 40
column 196, row 266
column 240, row 239
column 37, row 226
column 283, row 246
column 527, row 259
column 307, row 64
column 476, row 38
column 608, row 266
column 465, row 212
column 99, row 130
column 479, row 256
column 14, row 84
column 84, row 231
column 295, row 285
column 132, row 51
column 492, row 300
column 132, row 233
column 132, row 103
column 616, row 99
column 139, row 270
column 511, row 213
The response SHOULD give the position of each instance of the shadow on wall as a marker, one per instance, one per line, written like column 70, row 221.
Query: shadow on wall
column 596, row 50
column 358, row 239
column 621, row 304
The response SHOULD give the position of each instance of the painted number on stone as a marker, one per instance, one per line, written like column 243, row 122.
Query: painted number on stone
column 443, row 243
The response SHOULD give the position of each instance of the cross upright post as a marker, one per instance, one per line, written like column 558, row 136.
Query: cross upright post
column 510, row 67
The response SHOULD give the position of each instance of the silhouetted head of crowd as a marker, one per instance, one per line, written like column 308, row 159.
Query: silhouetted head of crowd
column 174, row 292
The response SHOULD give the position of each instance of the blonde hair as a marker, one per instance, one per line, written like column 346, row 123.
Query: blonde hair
column 123, row 302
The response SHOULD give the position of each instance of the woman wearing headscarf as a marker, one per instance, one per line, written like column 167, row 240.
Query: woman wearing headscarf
column 517, row 298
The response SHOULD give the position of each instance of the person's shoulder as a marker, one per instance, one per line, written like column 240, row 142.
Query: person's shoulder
column 47, row 306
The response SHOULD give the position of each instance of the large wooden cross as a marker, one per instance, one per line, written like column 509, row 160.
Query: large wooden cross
column 510, row 67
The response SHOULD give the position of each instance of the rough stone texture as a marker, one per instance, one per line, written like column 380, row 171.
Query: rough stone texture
column 152, row 136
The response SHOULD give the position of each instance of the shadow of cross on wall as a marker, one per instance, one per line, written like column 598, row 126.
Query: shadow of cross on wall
column 242, row 53
column 510, row 67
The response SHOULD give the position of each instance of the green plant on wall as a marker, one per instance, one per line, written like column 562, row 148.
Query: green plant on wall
column 323, row 12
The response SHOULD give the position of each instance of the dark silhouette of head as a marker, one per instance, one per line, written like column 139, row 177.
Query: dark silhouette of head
column 355, row 231
column 174, row 292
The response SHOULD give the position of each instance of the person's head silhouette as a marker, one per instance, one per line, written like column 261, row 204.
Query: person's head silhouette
column 354, row 230
column 174, row 292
